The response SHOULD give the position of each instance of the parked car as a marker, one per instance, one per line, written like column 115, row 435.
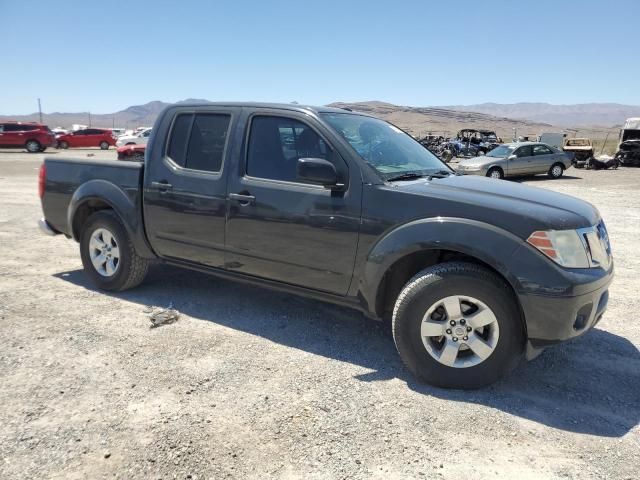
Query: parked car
column 518, row 159
column 35, row 137
column 89, row 137
column 582, row 150
column 473, row 274
column 140, row 138
column 132, row 152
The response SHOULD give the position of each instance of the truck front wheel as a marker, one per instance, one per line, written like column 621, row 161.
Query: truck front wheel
column 108, row 255
column 457, row 325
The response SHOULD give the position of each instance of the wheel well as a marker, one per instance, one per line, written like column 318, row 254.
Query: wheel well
column 397, row 276
column 495, row 167
column 84, row 211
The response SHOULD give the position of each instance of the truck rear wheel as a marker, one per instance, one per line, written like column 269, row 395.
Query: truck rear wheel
column 457, row 325
column 108, row 255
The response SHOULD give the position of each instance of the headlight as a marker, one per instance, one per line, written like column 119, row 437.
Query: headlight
column 562, row 246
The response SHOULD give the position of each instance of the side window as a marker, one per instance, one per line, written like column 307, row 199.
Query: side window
column 541, row 150
column 146, row 133
column 524, row 151
column 207, row 141
column 1, row 128
column 178, row 139
column 12, row 128
column 276, row 144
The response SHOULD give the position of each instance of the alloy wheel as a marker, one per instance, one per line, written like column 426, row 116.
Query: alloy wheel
column 104, row 252
column 459, row 331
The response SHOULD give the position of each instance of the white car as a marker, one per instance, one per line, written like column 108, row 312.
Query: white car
column 136, row 139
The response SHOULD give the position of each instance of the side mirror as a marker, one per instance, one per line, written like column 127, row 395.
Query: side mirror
column 512, row 157
column 318, row 170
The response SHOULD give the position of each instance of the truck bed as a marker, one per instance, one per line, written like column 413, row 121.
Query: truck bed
column 66, row 175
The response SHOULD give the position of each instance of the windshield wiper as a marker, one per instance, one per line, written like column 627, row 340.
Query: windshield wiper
column 406, row 176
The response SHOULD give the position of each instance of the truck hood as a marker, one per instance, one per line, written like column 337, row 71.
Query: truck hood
column 519, row 209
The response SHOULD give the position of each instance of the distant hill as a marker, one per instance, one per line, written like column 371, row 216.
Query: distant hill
column 580, row 115
column 134, row 116
column 420, row 121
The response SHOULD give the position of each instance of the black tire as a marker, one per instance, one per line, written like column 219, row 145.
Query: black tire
column 63, row 145
column 464, row 279
column 497, row 171
column 33, row 146
column 131, row 268
column 556, row 170
column 104, row 145
column 43, row 149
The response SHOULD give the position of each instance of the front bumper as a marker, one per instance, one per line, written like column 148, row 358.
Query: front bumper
column 482, row 171
column 555, row 319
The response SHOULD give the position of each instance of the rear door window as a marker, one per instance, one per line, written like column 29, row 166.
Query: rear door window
column 207, row 142
column 541, row 150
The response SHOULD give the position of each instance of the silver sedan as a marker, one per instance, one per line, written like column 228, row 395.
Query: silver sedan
column 518, row 159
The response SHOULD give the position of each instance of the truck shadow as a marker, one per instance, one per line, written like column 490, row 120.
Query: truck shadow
column 590, row 385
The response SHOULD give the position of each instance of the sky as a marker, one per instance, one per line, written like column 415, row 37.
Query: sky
column 105, row 56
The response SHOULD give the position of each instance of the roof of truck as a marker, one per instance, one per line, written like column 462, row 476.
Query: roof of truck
column 275, row 106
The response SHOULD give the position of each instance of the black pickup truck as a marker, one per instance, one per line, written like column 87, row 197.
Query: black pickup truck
column 474, row 273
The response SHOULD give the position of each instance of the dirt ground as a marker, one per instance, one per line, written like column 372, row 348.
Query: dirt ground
column 254, row 384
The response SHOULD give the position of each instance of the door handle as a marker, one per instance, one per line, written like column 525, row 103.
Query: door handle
column 162, row 186
column 242, row 199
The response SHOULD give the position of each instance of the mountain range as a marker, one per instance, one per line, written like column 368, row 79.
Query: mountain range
column 529, row 118
column 580, row 115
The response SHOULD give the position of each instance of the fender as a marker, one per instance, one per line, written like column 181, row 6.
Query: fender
column 490, row 244
column 128, row 209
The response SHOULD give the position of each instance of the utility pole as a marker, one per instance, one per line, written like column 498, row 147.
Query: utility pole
column 113, row 122
column 40, row 110
column 89, row 118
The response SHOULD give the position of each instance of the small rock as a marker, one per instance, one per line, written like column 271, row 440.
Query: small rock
column 107, row 454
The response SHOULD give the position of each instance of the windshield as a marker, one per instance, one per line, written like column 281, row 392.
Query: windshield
column 630, row 135
column 502, row 151
column 389, row 150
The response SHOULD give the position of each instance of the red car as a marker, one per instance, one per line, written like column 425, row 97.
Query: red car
column 133, row 153
column 35, row 137
column 89, row 137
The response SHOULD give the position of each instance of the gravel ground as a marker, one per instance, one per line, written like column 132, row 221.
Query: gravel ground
column 249, row 383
